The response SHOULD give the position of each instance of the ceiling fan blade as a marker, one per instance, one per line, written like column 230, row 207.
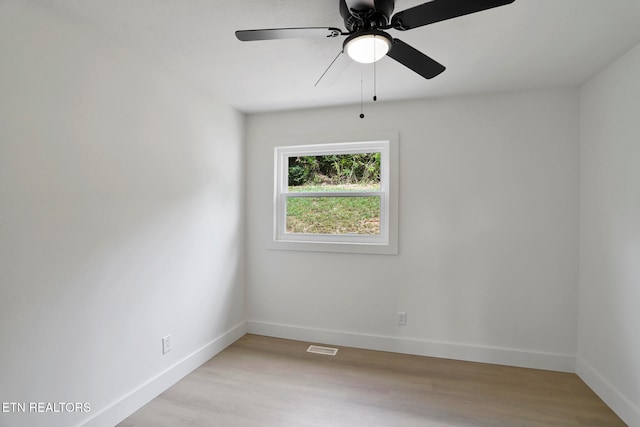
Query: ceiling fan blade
column 415, row 60
column 287, row 33
column 360, row 4
column 440, row 10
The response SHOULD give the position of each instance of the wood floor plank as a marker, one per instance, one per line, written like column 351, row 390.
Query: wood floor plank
column 265, row 382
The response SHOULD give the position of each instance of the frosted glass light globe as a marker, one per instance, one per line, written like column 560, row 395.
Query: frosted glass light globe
column 367, row 48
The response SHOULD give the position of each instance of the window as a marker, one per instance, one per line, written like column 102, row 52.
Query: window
column 337, row 197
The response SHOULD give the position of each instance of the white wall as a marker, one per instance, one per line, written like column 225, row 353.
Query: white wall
column 488, row 239
column 609, row 339
column 120, row 220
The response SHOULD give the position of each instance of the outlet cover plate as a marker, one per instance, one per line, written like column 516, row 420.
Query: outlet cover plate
column 402, row 318
column 166, row 344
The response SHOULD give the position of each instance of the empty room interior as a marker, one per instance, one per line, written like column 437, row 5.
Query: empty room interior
column 146, row 153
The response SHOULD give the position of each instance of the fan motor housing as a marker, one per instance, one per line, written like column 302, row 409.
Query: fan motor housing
column 366, row 14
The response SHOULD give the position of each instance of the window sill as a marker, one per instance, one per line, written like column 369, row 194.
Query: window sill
column 339, row 247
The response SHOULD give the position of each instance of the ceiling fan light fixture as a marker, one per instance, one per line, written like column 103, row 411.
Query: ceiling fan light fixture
column 368, row 47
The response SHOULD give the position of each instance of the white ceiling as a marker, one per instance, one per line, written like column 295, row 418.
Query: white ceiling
column 528, row 44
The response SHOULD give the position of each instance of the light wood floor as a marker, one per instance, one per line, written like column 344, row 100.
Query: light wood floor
column 265, row 382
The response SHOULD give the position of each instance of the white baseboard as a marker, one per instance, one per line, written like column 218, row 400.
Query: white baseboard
column 618, row 402
column 473, row 353
column 131, row 402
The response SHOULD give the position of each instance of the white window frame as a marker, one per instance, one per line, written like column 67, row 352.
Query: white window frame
column 384, row 243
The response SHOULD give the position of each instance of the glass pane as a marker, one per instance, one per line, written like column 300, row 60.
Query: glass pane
column 335, row 172
column 334, row 215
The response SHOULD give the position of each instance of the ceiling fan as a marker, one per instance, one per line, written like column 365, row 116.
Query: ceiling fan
column 366, row 22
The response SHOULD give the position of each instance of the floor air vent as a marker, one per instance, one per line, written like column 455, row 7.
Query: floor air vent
column 322, row 350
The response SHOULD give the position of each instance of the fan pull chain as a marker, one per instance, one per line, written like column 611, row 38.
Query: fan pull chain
column 375, row 84
column 361, row 93
column 329, row 67
column 375, row 80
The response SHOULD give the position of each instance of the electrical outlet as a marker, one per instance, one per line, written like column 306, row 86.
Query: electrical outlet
column 402, row 318
column 166, row 344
